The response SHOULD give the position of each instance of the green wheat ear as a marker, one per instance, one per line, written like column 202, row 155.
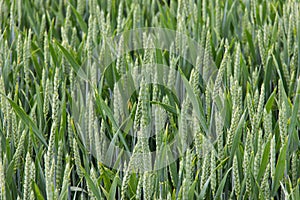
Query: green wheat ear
column 258, row 155
column 221, row 71
column 27, row 178
column 2, row 181
column 59, row 165
column 213, row 174
column 282, row 122
column 233, row 126
column 294, row 168
column 19, row 151
column 19, row 49
column 236, row 177
column 77, row 158
column 205, row 169
column 272, row 157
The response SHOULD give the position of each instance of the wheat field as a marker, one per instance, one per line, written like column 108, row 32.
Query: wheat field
column 149, row 99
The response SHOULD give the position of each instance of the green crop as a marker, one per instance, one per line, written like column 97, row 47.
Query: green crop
column 87, row 111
